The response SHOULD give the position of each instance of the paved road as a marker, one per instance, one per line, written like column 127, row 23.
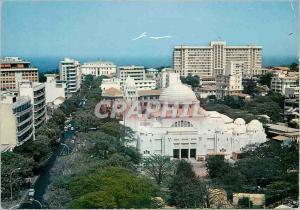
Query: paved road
column 44, row 179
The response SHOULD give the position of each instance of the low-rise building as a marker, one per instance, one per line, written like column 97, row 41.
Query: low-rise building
column 206, row 81
column 13, row 71
column 135, row 72
column 146, row 84
column 55, row 93
column 116, row 83
column 206, row 91
column 36, row 92
column 280, row 82
column 231, row 81
column 291, row 110
column 54, row 88
column 16, row 122
column 111, row 83
column 98, row 68
column 281, row 132
column 151, row 73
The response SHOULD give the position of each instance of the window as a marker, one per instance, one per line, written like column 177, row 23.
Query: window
column 182, row 123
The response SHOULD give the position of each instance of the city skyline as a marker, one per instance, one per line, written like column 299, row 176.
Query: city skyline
column 106, row 30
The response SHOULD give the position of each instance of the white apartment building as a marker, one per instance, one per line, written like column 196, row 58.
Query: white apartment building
column 98, row 68
column 210, row 61
column 231, row 81
column 283, row 84
column 36, row 92
column 55, row 90
column 146, row 84
column 116, row 84
column 168, row 78
column 152, row 73
column 16, row 122
column 69, row 70
column 135, row 72
column 111, row 83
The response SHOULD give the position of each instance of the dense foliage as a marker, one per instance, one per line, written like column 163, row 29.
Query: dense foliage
column 272, row 168
column 234, row 107
column 187, row 190
column 31, row 156
column 193, row 81
column 112, row 187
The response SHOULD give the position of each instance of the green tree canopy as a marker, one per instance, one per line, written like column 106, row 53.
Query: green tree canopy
column 112, row 187
column 187, row 191
column 158, row 167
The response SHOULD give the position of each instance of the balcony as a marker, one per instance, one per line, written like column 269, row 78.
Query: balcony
column 36, row 116
column 24, row 111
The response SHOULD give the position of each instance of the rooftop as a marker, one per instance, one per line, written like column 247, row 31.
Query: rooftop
column 149, row 92
column 112, row 92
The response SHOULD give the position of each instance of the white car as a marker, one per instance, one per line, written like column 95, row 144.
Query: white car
column 72, row 128
column 31, row 192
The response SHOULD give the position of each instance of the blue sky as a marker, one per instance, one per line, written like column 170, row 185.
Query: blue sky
column 105, row 29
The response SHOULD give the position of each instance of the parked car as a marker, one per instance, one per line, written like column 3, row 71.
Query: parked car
column 31, row 192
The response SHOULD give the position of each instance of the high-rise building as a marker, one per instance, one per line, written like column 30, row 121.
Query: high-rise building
column 210, row 61
column 16, row 122
column 69, row 70
column 13, row 70
column 98, row 68
column 36, row 92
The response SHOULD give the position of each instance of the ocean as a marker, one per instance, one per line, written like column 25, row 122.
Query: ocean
column 52, row 63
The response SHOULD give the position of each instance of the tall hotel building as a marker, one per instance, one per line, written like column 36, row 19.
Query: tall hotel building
column 14, row 70
column 210, row 61
column 69, row 71
column 16, row 122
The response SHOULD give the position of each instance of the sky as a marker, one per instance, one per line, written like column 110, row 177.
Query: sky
column 45, row 30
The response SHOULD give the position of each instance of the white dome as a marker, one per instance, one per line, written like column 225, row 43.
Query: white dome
column 178, row 93
column 254, row 125
column 239, row 121
column 239, row 129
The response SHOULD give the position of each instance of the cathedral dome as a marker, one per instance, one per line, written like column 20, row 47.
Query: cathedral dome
column 178, row 92
column 254, row 125
column 239, row 121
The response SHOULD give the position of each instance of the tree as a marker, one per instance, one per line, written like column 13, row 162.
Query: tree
column 216, row 167
column 294, row 67
column 266, row 79
column 193, row 81
column 112, row 187
column 245, row 203
column 159, row 167
column 10, row 161
column 187, row 191
column 250, row 88
column 234, row 102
